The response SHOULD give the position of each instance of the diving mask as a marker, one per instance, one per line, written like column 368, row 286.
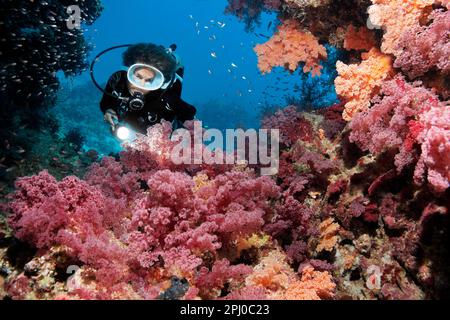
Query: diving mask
column 145, row 77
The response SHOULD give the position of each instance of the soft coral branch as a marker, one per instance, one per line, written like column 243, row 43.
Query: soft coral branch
column 289, row 47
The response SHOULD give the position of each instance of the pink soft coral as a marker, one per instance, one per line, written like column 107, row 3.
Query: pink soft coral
column 289, row 47
column 121, row 234
column 404, row 115
column 395, row 17
column 44, row 207
column 425, row 48
column 435, row 141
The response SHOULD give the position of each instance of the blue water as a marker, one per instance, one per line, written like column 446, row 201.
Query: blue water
column 225, row 96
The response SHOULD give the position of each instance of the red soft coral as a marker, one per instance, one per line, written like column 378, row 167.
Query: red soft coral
column 176, row 213
column 157, row 149
column 250, row 10
column 121, row 235
column 359, row 38
column 292, row 125
column 150, row 152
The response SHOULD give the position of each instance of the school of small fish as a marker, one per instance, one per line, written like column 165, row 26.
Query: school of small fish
column 213, row 27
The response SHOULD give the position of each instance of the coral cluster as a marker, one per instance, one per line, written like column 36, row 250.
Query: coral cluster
column 359, row 83
column 288, row 48
column 38, row 42
column 425, row 47
column 132, row 229
column 408, row 116
column 396, row 17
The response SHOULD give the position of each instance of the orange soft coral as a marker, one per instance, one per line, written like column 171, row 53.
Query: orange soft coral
column 273, row 272
column 290, row 46
column 359, row 38
column 280, row 282
column 394, row 17
column 314, row 285
column 357, row 84
column 328, row 238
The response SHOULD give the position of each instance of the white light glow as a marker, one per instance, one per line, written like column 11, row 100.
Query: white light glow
column 123, row 133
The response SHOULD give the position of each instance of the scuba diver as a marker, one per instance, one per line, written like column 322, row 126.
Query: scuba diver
column 147, row 92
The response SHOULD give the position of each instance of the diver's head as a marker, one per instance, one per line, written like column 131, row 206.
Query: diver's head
column 151, row 67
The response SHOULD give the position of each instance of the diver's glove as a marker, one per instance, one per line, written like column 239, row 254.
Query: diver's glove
column 111, row 118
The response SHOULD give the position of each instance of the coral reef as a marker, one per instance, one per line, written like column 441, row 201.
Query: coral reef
column 316, row 92
column 133, row 240
column 77, row 109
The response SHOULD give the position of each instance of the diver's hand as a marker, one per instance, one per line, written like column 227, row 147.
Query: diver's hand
column 111, row 118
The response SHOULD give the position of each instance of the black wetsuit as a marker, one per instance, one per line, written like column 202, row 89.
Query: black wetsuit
column 159, row 104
